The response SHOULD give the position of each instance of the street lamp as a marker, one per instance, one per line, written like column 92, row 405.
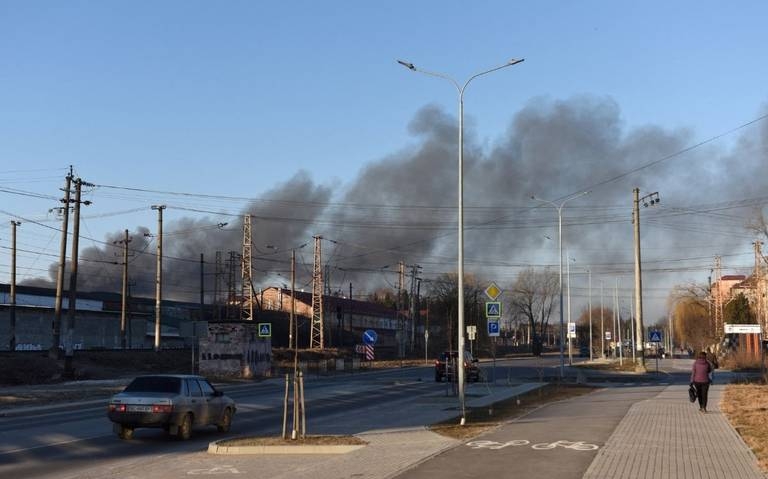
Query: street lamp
column 559, row 208
column 460, row 90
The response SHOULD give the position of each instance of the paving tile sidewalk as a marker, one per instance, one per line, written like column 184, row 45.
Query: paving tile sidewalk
column 668, row 438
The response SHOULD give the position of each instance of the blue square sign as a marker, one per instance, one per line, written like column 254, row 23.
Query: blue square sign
column 493, row 328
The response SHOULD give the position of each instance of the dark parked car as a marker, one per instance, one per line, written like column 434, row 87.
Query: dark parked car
column 444, row 366
column 174, row 402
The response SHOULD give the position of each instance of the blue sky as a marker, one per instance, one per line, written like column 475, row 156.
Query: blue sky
column 233, row 98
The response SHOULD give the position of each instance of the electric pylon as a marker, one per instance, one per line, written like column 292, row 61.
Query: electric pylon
column 718, row 296
column 316, row 336
column 246, row 287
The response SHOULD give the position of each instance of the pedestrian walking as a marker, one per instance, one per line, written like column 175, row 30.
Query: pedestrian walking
column 700, row 379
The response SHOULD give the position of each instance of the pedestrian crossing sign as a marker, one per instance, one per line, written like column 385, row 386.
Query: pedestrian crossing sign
column 654, row 336
column 265, row 330
column 493, row 309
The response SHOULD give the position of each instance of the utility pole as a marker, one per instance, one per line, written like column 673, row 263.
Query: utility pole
column 400, row 319
column 291, row 337
column 617, row 315
column 202, row 286
column 349, row 312
column 56, row 339
column 124, row 307
column 758, row 284
column 12, row 331
column 589, row 273
column 159, row 279
column 602, row 323
column 68, row 342
column 651, row 199
column 217, row 285
column 568, row 287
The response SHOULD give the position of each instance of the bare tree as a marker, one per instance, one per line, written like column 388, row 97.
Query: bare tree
column 532, row 296
column 692, row 321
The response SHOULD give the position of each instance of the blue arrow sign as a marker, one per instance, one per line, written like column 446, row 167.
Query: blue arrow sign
column 369, row 337
column 654, row 336
column 265, row 330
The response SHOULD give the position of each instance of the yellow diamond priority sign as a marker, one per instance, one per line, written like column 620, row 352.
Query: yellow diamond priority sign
column 492, row 291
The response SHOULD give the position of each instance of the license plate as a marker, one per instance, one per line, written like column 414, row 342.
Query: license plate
column 139, row 408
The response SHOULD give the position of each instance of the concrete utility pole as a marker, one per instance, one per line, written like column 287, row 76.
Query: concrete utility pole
column 124, row 305
column 602, row 323
column 202, row 287
column 291, row 326
column 589, row 273
column 12, row 332
column 69, row 340
column 159, row 278
column 56, row 336
column 651, row 199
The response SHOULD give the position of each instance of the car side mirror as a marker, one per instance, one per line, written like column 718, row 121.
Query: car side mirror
column 217, row 394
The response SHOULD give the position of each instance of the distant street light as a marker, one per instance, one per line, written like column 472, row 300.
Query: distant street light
column 460, row 90
column 559, row 208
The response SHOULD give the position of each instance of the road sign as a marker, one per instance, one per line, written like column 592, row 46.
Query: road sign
column 492, row 309
column 571, row 330
column 654, row 336
column 265, row 330
column 369, row 337
column 369, row 352
column 492, row 291
column 472, row 332
column 608, row 335
column 493, row 328
column 742, row 328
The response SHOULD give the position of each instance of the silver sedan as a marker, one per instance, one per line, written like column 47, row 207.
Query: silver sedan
column 174, row 402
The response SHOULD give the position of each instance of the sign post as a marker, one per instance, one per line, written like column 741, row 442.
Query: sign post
column 493, row 292
column 655, row 336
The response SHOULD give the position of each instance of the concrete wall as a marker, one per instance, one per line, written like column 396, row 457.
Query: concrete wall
column 93, row 329
column 235, row 349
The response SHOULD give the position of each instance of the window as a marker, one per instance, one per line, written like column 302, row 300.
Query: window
column 194, row 388
column 222, row 337
column 155, row 384
column 206, row 387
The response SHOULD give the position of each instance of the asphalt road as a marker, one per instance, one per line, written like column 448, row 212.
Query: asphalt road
column 71, row 441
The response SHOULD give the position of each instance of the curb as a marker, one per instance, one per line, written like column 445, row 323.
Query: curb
column 215, row 448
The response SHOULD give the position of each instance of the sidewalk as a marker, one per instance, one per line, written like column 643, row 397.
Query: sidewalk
column 667, row 437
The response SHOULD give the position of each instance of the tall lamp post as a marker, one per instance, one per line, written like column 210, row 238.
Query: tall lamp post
column 559, row 208
column 460, row 90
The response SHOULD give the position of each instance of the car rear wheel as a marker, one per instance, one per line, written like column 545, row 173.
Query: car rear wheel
column 185, row 428
column 125, row 433
column 226, row 421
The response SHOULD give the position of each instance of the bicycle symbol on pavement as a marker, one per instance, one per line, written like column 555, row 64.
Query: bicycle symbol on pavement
column 543, row 446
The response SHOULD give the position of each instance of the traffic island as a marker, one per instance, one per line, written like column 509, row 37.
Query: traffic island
column 278, row 445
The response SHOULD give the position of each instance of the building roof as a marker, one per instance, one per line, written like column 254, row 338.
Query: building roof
column 331, row 303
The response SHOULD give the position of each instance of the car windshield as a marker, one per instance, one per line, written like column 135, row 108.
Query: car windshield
column 154, row 384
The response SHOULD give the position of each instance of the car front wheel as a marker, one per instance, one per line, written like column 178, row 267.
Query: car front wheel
column 226, row 421
column 185, row 428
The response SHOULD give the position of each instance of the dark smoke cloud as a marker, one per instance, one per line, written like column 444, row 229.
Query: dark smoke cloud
column 402, row 207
